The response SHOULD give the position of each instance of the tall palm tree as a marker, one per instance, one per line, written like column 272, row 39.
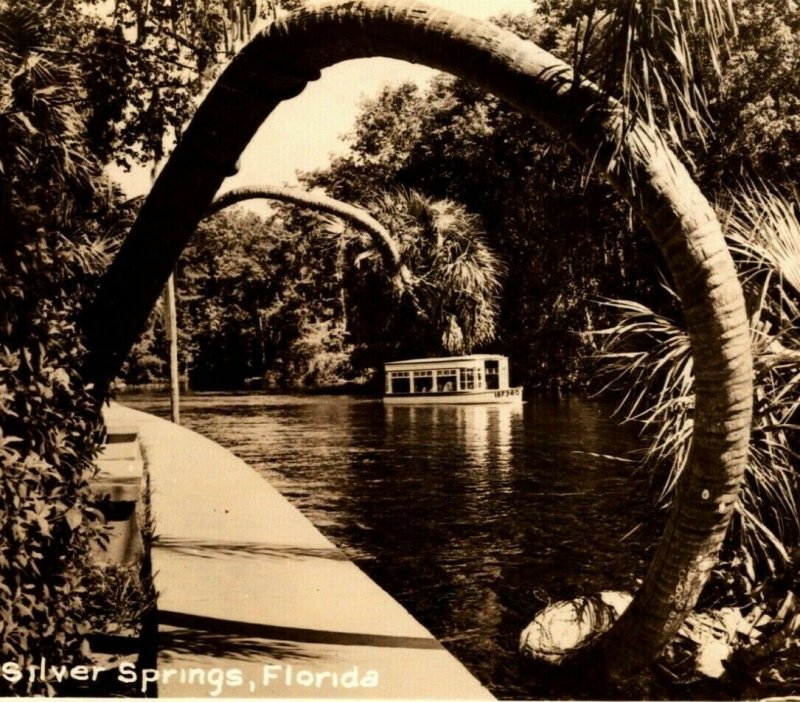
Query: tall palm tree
column 276, row 66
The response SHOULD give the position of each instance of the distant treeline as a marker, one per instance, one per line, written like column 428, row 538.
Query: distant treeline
column 290, row 301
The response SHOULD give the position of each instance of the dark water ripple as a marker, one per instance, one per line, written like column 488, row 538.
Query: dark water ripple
column 471, row 517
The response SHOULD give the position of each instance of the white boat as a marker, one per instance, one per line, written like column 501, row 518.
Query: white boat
column 455, row 380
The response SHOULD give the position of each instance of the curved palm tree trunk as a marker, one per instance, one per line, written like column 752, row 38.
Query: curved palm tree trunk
column 276, row 66
column 399, row 274
column 381, row 237
column 383, row 240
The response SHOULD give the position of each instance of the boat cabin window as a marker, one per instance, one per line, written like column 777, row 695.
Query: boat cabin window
column 492, row 375
column 447, row 380
column 423, row 381
column 399, row 381
column 467, row 378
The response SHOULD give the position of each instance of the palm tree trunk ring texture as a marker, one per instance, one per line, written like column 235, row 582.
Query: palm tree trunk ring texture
column 636, row 161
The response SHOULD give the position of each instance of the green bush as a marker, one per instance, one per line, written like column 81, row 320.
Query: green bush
column 51, row 247
column 49, row 434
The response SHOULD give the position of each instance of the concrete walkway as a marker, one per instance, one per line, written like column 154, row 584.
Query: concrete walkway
column 255, row 602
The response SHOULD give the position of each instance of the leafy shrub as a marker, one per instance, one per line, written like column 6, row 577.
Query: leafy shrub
column 49, row 433
column 319, row 358
column 122, row 589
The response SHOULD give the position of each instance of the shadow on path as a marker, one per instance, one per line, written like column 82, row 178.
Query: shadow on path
column 225, row 632
column 191, row 642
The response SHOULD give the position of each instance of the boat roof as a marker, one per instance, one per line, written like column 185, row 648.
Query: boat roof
column 448, row 359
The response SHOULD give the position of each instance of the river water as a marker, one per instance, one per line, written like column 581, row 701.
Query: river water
column 472, row 517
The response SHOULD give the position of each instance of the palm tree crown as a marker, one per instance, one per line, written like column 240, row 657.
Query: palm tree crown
column 455, row 278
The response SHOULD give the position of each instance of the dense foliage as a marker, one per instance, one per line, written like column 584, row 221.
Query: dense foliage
column 83, row 84
column 647, row 359
column 757, row 104
column 146, row 62
column 750, row 160
column 76, row 87
column 246, row 301
column 51, row 205
column 258, row 305
column 302, row 301
column 450, row 297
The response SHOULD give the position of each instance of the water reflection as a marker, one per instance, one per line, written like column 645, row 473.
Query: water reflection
column 485, row 432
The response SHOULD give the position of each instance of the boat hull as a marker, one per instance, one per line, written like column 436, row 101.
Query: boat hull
column 469, row 397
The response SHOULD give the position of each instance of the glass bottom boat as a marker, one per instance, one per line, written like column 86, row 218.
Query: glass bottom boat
column 455, row 380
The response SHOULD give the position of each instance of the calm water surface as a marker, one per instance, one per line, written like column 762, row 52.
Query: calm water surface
column 472, row 517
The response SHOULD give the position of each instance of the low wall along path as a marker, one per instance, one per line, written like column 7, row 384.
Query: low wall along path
column 254, row 601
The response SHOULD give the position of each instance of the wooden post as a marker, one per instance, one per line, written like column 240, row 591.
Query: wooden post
column 171, row 327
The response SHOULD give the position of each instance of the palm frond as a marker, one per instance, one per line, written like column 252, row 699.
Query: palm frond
column 646, row 359
column 763, row 229
column 41, row 106
column 649, row 52
column 455, row 278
